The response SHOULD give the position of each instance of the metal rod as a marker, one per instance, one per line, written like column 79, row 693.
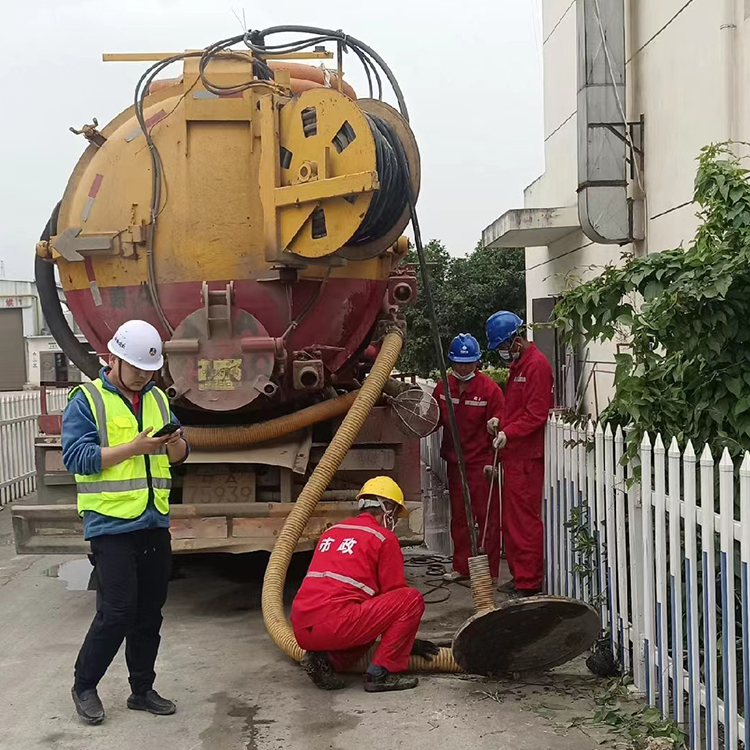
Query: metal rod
column 157, row 56
column 439, row 352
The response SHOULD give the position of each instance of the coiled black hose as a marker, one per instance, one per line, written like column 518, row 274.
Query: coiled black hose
column 390, row 200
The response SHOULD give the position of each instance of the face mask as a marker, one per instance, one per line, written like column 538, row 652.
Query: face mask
column 389, row 521
column 464, row 378
column 509, row 356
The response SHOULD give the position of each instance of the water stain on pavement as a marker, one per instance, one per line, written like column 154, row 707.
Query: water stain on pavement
column 232, row 719
column 77, row 574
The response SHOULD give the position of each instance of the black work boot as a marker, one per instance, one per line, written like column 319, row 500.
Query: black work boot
column 508, row 587
column 88, row 705
column 384, row 682
column 152, row 702
column 320, row 671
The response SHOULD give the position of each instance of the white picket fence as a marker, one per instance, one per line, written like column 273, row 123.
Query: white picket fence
column 645, row 553
column 18, row 429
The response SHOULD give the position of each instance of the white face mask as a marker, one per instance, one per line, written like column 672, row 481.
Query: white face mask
column 389, row 521
column 389, row 516
column 509, row 356
column 464, row 378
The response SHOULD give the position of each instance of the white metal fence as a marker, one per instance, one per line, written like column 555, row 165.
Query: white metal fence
column 665, row 563
column 18, row 428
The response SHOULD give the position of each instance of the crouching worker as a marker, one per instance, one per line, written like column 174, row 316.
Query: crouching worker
column 355, row 592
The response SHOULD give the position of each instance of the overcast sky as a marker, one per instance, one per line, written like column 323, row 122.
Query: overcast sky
column 471, row 73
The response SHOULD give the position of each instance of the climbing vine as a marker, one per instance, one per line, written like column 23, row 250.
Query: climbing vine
column 684, row 315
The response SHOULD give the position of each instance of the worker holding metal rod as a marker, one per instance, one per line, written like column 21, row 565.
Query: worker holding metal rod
column 476, row 399
column 519, row 436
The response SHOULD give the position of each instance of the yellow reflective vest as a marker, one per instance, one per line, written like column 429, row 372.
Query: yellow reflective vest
column 122, row 491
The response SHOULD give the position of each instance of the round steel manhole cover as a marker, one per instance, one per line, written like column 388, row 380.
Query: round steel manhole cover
column 526, row 635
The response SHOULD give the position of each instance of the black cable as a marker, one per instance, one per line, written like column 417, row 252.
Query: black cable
column 255, row 40
column 427, row 290
column 157, row 176
column 391, row 198
column 436, row 569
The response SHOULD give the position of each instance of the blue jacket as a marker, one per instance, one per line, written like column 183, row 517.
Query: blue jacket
column 82, row 454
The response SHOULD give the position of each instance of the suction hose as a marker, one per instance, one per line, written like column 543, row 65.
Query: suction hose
column 44, row 273
column 273, row 583
column 228, row 438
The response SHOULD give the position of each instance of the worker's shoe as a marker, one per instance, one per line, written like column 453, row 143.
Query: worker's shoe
column 152, row 702
column 385, row 681
column 454, row 577
column 88, row 705
column 508, row 587
column 320, row 671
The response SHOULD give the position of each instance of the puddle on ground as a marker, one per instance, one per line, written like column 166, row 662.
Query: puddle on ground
column 77, row 574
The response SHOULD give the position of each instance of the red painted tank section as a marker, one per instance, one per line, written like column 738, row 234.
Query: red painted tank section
column 341, row 318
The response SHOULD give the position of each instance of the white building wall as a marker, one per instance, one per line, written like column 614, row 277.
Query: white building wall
column 686, row 74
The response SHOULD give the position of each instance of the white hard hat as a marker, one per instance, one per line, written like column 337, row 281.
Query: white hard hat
column 138, row 343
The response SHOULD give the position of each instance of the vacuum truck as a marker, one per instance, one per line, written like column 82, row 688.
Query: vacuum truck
column 252, row 210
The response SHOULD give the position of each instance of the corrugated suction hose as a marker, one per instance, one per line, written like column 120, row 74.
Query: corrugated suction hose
column 273, row 583
column 228, row 438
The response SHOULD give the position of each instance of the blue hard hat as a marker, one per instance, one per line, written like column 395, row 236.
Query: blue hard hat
column 464, row 348
column 501, row 326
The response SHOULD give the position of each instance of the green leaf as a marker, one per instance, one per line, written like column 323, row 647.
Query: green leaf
column 735, row 386
column 653, row 289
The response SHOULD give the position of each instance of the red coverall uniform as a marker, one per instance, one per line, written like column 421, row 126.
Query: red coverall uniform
column 482, row 400
column 528, row 399
column 354, row 593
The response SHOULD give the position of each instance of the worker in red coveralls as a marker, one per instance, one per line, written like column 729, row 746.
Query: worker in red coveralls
column 519, row 435
column 355, row 592
column 476, row 399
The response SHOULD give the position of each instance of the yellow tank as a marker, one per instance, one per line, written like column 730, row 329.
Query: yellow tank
column 257, row 223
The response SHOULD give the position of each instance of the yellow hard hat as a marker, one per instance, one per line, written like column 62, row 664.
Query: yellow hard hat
column 383, row 487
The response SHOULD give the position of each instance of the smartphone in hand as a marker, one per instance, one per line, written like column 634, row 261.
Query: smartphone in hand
column 168, row 429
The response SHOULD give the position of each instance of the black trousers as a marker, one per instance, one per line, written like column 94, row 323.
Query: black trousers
column 133, row 575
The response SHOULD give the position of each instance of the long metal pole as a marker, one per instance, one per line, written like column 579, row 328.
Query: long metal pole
column 441, row 361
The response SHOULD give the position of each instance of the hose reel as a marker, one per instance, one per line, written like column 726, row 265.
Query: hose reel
column 342, row 189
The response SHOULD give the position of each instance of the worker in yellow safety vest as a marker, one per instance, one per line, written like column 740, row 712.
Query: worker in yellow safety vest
column 120, row 439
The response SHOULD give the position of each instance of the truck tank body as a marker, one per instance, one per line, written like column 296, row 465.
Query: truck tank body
column 260, row 231
column 223, row 221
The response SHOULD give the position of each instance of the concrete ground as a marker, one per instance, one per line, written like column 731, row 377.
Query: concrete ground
column 233, row 688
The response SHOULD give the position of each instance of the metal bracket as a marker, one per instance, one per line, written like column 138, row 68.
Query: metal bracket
column 73, row 245
column 632, row 135
column 91, row 134
column 218, row 299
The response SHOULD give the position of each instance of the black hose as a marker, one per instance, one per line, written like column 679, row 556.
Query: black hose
column 391, row 198
column 44, row 272
column 427, row 290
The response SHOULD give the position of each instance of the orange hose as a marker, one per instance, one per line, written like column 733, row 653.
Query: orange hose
column 303, row 78
column 227, row 438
